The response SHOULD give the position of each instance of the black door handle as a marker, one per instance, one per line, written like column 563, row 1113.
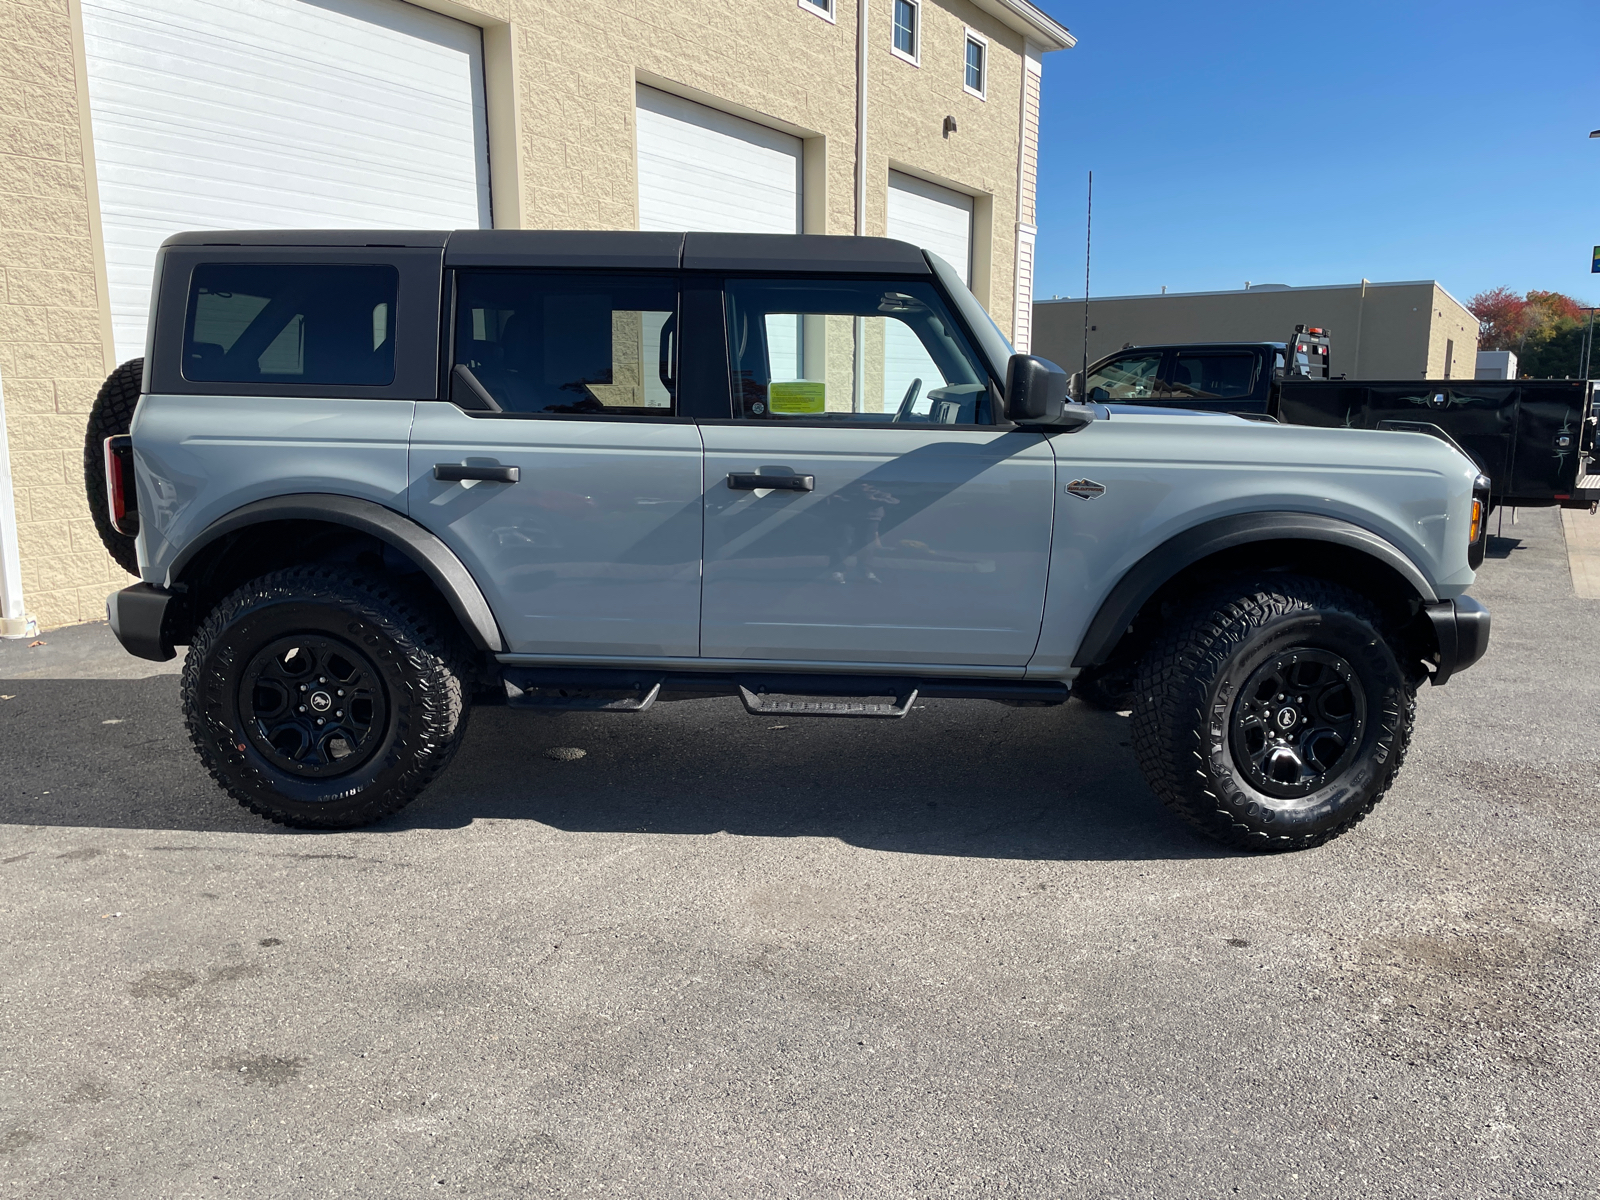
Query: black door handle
column 456, row 472
column 749, row 481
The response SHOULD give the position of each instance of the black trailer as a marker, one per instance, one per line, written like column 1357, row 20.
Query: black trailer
column 1533, row 438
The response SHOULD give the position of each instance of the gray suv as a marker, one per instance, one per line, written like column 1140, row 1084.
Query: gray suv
column 374, row 478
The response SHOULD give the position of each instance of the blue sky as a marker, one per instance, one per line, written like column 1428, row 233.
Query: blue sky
column 1309, row 144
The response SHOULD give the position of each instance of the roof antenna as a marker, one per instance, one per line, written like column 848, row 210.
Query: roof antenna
column 1088, row 244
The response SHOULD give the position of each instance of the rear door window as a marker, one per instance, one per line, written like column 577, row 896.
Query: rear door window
column 291, row 324
column 569, row 344
column 1212, row 376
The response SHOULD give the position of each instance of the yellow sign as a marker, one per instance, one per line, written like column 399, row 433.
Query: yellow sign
column 797, row 398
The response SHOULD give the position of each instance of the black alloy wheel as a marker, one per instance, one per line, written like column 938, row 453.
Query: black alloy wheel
column 1297, row 722
column 313, row 705
column 1274, row 714
column 325, row 698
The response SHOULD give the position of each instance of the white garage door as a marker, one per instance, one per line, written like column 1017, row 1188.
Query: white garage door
column 939, row 220
column 277, row 114
column 703, row 169
column 934, row 218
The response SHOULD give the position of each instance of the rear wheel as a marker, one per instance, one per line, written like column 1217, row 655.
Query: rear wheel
column 1274, row 716
column 322, row 698
column 110, row 415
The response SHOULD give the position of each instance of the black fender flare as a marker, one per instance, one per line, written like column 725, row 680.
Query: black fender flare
column 1182, row 550
column 438, row 562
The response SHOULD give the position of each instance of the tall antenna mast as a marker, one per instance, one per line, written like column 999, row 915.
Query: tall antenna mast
column 1088, row 244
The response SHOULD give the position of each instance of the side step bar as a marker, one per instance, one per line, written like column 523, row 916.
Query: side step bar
column 561, row 689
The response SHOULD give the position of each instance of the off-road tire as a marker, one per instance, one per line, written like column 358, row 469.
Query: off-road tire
column 111, row 414
column 1190, row 683
column 423, row 677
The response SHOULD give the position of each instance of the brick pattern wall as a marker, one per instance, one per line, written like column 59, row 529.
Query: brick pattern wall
column 52, row 357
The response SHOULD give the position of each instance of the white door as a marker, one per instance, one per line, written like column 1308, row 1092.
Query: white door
column 934, row 218
column 700, row 169
column 939, row 220
column 277, row 114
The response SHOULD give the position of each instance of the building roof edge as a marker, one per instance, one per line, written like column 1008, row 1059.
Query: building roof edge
column 1031, row 22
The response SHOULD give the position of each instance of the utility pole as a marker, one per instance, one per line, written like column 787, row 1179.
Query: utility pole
column 1588, row 336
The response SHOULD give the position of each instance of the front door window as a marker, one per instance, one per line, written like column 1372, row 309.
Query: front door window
column 852, row 353
column 1132, row 377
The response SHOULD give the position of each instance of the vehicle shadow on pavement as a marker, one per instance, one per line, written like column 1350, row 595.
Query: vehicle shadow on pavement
column 962, row 778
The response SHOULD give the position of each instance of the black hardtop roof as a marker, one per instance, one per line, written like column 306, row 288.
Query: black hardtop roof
column 616, row 249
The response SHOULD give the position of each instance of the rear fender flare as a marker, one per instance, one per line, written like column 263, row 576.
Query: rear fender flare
column 1183, row 550
column 437, row 561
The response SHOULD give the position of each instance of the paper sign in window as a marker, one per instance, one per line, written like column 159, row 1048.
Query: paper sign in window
column 798, row 397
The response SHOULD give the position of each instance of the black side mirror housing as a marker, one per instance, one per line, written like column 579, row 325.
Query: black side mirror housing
column 1040, row 393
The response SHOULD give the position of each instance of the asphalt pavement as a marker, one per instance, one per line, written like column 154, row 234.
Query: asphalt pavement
column 965, row 954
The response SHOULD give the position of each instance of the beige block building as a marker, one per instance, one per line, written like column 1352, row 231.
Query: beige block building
column 1411, row 330
column 123, row 121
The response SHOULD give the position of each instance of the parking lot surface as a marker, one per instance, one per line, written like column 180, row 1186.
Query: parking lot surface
column 718, row 955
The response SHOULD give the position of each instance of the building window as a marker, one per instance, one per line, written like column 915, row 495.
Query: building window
column 822, row 8
column 907, row 13
column 977, row 68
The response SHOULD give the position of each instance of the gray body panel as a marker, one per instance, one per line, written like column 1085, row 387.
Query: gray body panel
column 1167, row 472
column 200, row 457
column 919, row 545
column 595, row 550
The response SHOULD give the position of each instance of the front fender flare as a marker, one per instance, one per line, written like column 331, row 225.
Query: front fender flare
column 1146, row 576
column 438, row 562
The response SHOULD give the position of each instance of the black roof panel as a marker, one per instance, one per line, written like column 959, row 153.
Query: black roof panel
column 800, row 252
column 616, row 249
column 427, row 239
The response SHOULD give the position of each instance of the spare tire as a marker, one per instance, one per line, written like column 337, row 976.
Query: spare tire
column 111, row 415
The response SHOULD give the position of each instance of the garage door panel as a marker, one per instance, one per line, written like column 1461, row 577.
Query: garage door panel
column 277, row 114
column 933, row 217
column 701, row 169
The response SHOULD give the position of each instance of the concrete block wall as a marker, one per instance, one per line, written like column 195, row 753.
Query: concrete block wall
column 54, row 332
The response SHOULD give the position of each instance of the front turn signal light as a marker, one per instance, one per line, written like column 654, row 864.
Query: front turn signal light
column 1477, row 520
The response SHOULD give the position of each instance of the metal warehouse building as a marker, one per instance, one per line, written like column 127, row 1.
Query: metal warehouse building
column 1380, row 330
column 123, row 121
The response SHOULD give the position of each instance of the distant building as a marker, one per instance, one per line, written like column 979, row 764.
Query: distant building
column 1496, row 364
column 1411, row 330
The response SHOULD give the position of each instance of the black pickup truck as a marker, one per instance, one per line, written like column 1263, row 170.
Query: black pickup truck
column 1533, row 438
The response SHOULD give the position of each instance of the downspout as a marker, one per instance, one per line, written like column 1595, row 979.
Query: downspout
column 859, row 384
column 1361, row 316
column 14, row 619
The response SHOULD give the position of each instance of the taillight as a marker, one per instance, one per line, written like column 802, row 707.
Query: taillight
column 122, row 499
column 1478, row 530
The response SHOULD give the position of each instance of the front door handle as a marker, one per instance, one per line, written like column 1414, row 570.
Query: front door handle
column 456, row 473
column 750, row 481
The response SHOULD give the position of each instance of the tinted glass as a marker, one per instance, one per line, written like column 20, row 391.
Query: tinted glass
column 1212, row 376
column 1131, row 377
column 291, row 324
column 975, row 66
column 796, row 346
column 553, row 342
column 905, row 27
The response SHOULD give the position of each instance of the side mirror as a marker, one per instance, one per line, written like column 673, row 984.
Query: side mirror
column 1039, row 393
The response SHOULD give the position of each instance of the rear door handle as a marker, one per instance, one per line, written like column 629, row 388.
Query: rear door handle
column 750, row 481
column 456, row 473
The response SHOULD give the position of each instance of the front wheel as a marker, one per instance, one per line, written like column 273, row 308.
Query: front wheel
column 322, row 698
column 1273, row 716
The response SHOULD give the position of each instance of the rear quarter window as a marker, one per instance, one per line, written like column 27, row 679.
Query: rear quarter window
column 291, row 324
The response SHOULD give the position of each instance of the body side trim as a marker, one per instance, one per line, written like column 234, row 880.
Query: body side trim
column 1146, row 576
column 436, row 559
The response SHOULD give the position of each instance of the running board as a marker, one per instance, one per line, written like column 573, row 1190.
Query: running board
column 581, row 691
column 789, row 693
column 761, row 706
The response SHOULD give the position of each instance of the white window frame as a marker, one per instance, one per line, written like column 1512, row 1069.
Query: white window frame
column 820, row 8
column 915, row 57
column 974, row 38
